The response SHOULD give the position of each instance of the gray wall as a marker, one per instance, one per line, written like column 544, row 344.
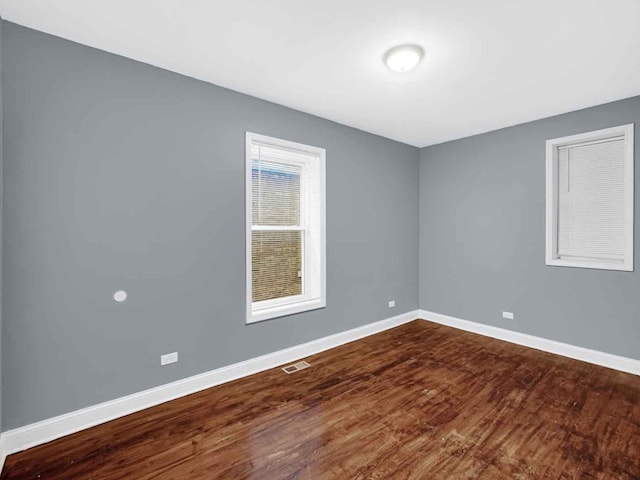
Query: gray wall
column 121, row 175
column 482, row 238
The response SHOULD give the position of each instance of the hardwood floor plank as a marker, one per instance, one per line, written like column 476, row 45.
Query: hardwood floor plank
column 421, row 401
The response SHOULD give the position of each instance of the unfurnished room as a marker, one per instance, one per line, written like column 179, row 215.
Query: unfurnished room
column 331, row 240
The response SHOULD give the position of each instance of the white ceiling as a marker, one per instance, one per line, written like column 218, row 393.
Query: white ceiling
column 488, row 64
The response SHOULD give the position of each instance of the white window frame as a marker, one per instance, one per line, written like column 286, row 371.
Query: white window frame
column 314, row 259
column 552, row 149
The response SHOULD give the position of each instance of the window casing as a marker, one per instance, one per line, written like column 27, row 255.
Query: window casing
column 285, row 222
column 589, row 204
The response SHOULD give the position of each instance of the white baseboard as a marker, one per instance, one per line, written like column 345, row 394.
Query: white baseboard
column 19, row 439
column 3, row 453
column 609, row 360
column 44, row 431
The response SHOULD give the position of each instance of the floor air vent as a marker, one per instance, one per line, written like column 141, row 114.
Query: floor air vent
column 295, row 367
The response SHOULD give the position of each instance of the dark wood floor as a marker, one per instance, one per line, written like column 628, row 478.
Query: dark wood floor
column 420, row 401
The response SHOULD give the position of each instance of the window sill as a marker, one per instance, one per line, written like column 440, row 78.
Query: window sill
column 594, row 264
column 284, row 310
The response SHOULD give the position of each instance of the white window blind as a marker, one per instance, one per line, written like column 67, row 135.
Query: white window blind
column 589, row 211
column 591, row 200
column 277, row 234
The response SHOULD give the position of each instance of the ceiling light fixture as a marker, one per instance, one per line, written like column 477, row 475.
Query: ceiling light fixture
column 403, row 58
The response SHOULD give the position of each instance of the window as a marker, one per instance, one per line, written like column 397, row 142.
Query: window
column 285, row 190
column 590, row 200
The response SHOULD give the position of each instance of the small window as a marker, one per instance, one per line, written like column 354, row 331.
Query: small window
column 285, row 195
column 590, row 200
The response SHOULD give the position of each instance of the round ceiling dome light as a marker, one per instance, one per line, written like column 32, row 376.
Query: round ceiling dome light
column 404, row 58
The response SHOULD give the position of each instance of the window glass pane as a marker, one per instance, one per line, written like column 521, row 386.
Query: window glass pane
column 275, row 193
column 276, row 264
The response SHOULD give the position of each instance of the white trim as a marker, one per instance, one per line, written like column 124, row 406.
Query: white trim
column 314, row 265
column 280, row 310
column 624, row 132
column 276, row 228
column 44, row 431
column 596, row 357
column 3, row 452
column 19, row 439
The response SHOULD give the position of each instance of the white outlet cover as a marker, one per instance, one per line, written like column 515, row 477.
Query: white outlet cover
column 169, row 358
column 507, row 315
column 392, row 303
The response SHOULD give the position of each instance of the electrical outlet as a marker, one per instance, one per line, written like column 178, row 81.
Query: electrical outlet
column 169, row 358
column 507, row 315
column 392, row 303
